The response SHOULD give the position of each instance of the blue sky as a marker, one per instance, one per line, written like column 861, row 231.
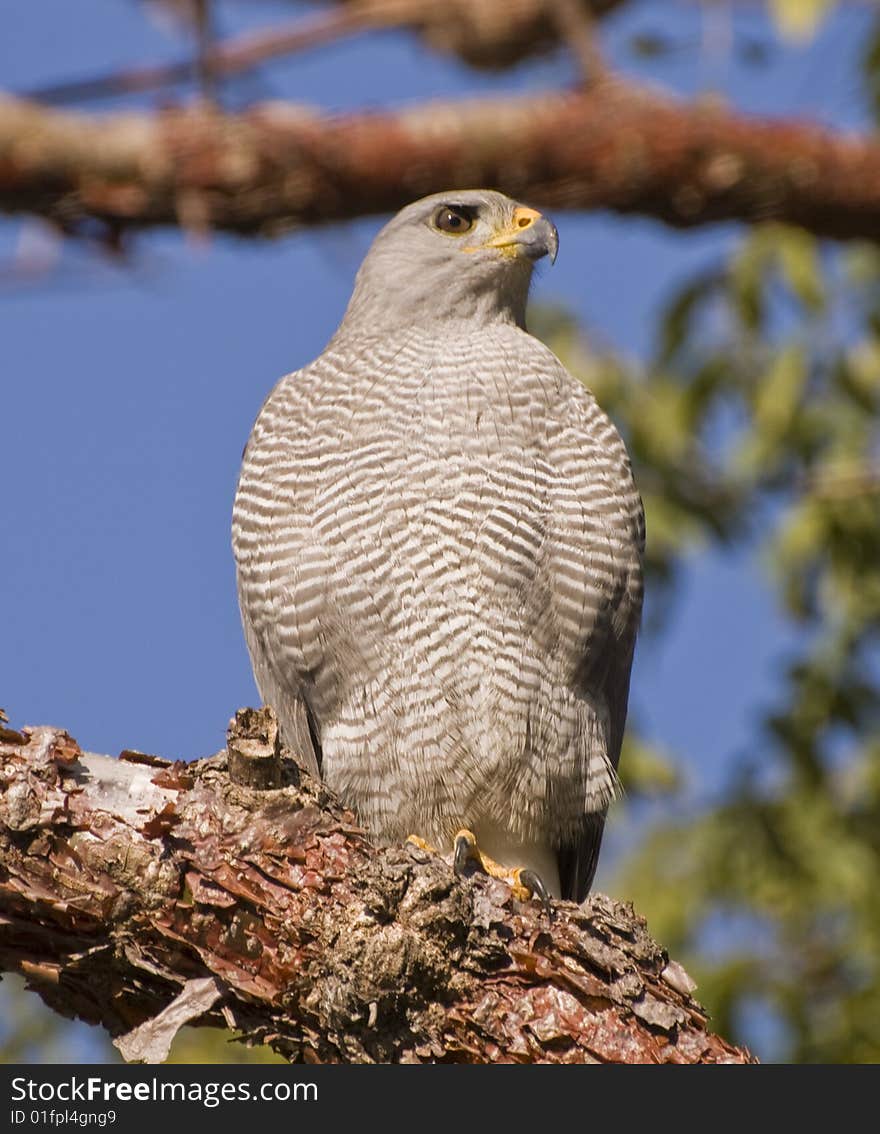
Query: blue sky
column 128, row 391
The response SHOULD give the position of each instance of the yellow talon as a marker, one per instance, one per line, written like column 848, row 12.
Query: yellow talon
column 524, row 883
column 521, row 891
column 418, row 841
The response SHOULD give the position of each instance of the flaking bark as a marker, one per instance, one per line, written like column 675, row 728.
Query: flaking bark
column 141, row 895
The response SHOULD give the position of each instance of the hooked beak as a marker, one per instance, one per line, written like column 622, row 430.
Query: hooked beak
column 530, row 234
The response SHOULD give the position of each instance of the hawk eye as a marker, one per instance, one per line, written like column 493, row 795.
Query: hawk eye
column 453, row 219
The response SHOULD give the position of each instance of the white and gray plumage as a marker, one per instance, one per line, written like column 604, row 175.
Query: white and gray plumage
column 438, row 544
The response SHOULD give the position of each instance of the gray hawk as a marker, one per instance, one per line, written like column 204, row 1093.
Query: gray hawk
column 438, row 545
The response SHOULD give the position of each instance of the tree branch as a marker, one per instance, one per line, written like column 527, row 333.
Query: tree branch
column 142, row 895
column 487, row 34
column 222, row 60
column 612, row 146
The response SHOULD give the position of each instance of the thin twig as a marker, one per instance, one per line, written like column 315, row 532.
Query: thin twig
column 214, row 61
column 206, row 78
column 577, row 28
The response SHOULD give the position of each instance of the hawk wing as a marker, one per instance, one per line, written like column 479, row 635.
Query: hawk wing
column 578, row 859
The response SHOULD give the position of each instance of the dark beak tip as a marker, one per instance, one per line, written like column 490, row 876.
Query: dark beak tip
column 549, row 239
column 553, row 242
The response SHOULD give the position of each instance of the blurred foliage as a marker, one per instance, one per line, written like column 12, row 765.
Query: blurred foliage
column 216, row 1045
column 758, row 421
column 32, row 1033
column 799, row 20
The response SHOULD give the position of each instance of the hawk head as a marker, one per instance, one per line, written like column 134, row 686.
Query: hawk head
column 462, row 255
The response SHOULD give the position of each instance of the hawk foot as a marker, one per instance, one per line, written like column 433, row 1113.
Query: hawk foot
column 523, row 882
column 418, row 841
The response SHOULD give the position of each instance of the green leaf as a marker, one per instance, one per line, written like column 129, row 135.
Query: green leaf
column 680, row 317
column 780, row 391
column 647, row 771
column 860, row 375
column 747, row 282
column 777, row 399
column 799, row 262
column 801, row 538
column 799, row 20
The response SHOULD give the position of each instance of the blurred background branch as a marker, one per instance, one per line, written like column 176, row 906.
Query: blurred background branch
column 614, row 146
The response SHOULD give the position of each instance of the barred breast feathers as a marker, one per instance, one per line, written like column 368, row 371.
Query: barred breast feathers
column 438, row 548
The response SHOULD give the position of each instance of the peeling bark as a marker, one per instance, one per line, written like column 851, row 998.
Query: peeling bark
column 277, row 167
column 139, row 895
